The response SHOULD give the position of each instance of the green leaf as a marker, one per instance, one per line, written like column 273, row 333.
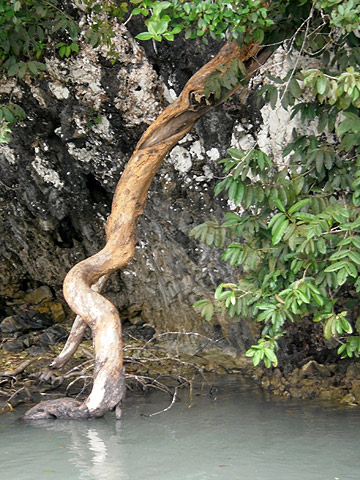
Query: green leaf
column 159, row 7
column 219, row 290
column 329, row 328
column 235, row 153
column 278, row 232
column 232, row 190
column 239, row 195
column 144, row 36
column 257, row 357
column 250, row 352
column 22, row 69
column 294, row 88
column 271, row 356
column 348, row 125
column 305, row 217
column 351, row 269
column 275, row 218
column 335, row 266
column 321, row 85
column 298, row 205
column 355, row 257
column 340, row 254
column 279, row 204
column 346, row 325
column 32, row 68
column 9, row 117
column 342, row 276
column 208, row 312
column 201, row 303
column 220, row 186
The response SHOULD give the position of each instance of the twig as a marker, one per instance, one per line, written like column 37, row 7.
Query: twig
column 17, row 370
column 195, row 334
column 128, row 19
column 307, row 23
column 153, row 383
column 7, row 403
column 85, row 383
column 165, row 409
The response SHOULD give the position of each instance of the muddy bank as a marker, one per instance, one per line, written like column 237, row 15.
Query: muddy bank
column 158, row 361
column 34, row 325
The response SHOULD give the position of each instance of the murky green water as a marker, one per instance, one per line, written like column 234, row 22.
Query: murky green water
column 238, row 434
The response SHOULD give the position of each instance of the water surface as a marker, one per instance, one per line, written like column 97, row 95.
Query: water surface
column 238, row 433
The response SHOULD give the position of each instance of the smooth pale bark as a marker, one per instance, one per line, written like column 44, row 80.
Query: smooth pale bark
column 83, row 284
column 77, row 332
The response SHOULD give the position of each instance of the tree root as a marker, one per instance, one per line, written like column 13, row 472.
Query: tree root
column 60, row 408
column 19, row 387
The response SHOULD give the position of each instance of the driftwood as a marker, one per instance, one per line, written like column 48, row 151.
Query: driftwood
column 83, row 284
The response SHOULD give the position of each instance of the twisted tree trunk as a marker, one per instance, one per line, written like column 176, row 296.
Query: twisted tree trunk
column 83, row 284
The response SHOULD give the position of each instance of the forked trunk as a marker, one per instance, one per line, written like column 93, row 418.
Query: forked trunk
column 83, row 284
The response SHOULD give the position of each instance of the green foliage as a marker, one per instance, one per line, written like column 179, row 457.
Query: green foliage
column 243, row 21
column 225, row 79
column 10, row 114
column 294, row 232
column 29, row 27
column 296, row 243
column 24, row 32
column 210, row 233
column 5, row 133
column 341, row 90
column 297, row 240
column 264, row 351
column 67, row 50
column 344, row 15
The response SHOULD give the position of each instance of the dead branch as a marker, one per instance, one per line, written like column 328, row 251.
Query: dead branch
column 18, row 370
column 165, row 409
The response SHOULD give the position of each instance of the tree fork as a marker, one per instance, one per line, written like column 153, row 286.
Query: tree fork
column 84, row 282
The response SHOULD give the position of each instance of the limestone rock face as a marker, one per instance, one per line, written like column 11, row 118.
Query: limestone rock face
column 58, row 174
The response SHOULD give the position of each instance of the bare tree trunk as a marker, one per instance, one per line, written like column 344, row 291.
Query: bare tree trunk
column 84, row 282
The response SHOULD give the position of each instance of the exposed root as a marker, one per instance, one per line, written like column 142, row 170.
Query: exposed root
column 165, row 409
column 60, row 408
column 151, row 369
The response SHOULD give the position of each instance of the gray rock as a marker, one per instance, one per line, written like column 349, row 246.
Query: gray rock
column 14, row 346
column 25, row 322
column 53, row 335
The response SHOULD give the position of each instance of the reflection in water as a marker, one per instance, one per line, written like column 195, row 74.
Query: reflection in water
column 97, row 446
column 239, row 435
column 91, row 446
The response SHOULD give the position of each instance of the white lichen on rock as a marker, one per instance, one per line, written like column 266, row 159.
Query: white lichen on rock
column 181, row 159
column 60, row 91
column 197, row 150
column 103, row 129
column 48, row 175
column 213, row 154
column 85, row 73
column 277, row 126
column 8, row 153
column 103, row 165
column 137, row 80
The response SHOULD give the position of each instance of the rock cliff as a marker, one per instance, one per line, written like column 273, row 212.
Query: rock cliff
column 58, row 174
